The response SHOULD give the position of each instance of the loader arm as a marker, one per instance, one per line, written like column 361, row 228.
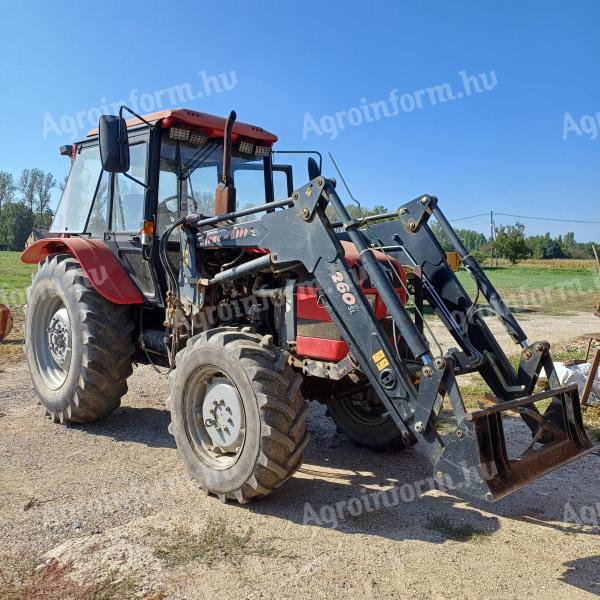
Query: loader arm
column 475, row 456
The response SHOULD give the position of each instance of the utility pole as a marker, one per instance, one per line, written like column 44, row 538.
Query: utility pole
column 492, row 234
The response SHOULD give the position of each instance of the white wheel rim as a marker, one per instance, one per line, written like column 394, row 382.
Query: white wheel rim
column 52, row 340
column 214, row 418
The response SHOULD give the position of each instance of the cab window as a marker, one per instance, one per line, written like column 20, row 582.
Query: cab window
column 249, row 187
column 281, row 185
column 97, row 224
column 189, row 175
column 128, row 196
column 74, row 207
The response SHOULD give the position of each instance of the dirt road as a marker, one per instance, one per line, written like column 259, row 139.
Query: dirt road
column 111, row 502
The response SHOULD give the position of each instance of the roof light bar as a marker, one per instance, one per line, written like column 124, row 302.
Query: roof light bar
column 198, row 138
column 262, row 151
column 179, row 133
column 245, row 147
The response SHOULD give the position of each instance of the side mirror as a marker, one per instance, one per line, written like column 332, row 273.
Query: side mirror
column 114, row 146
column 313, row 169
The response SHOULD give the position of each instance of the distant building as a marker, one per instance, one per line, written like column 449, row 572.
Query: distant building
column 37, row 233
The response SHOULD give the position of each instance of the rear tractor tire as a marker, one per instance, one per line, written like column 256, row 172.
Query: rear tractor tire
column 237, row 415
column 78, row 345
column 365, row 421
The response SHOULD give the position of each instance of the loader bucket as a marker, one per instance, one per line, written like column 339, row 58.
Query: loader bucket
column 476, row 460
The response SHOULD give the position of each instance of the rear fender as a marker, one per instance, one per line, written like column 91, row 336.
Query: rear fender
column 101, row 266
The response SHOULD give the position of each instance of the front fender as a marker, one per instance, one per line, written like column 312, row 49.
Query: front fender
column 101, row 266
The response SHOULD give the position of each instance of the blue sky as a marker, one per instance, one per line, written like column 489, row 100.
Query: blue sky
column 502, row 149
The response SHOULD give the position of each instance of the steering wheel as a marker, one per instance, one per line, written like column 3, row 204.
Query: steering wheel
column 163, row 211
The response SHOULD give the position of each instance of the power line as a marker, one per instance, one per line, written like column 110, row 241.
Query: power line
column 471, row 217
column 527, row 217
column 548, row 219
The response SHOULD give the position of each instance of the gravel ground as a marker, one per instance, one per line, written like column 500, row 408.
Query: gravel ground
column 112, row 500
column 537, row 327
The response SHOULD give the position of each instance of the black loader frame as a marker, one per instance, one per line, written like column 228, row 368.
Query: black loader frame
column 297, row 232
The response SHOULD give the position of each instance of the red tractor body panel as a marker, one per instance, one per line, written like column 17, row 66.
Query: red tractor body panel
column 102, row 267
column 317, row 336
column 5, row 321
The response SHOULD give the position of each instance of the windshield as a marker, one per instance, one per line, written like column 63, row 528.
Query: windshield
column 74, row 206
column 195, row 170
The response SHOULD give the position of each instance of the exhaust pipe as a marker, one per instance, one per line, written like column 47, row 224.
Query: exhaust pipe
column 225, row 192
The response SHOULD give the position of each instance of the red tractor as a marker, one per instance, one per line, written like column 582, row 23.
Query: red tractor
column 180, row 242
column 6, row 321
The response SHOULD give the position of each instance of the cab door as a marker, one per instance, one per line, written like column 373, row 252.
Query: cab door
column 127, row 213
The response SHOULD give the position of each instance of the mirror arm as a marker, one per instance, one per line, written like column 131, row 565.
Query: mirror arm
column 147, row 187
column 151, row 125
column 123, row 107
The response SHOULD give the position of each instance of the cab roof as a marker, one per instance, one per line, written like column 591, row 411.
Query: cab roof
column 212, row 125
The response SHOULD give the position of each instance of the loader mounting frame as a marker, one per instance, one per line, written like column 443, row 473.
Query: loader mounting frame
column 474, row 458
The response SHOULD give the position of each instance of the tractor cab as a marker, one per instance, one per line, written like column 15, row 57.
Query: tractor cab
column 174, row 163
column 174, row 166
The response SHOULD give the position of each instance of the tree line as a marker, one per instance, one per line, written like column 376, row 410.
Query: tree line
column 509, row 242
column 24, row 204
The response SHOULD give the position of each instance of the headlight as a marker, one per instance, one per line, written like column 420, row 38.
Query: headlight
column 197, row 138
column 179, row 133
column 262, row 151
column 245, row 147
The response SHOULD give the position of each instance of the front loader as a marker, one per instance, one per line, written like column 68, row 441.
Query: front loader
column 253, row 303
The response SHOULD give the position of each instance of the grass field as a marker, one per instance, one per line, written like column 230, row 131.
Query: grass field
column 555, row 288
column 15, row 277
column 544, row 289
column 554, row 263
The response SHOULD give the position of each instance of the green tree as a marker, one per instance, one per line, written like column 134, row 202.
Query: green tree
column 536, row 244
column 568, row 244
column 35, row 187
column 553, row 249
column 44, row 219
column 510, row 242
column 441, row 236
column 359, row 212
column 44, row 184
column 27, row 185
column 472, row 240
column 15, row 225
column 7, row 188
column 356, row 212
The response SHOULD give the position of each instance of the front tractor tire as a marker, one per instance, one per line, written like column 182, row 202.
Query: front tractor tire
column 79, row 345
column 237, row 415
